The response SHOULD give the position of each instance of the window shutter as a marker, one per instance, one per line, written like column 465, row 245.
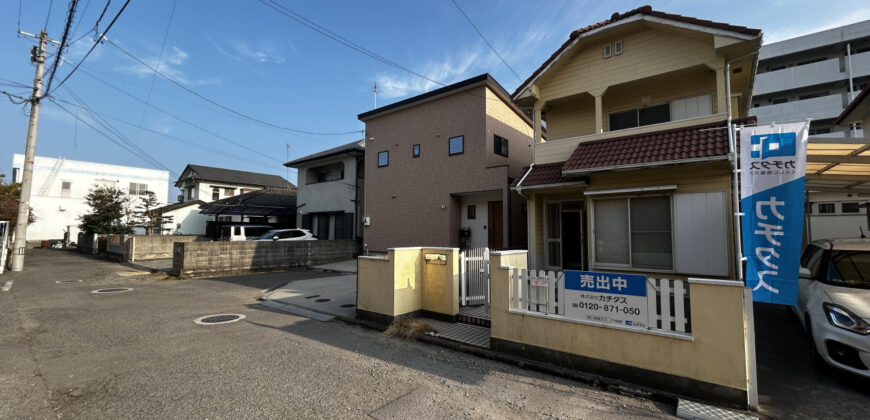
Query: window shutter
column 306, row 221
column 701, row 233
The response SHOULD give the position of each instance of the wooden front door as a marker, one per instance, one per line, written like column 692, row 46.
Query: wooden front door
column 494, row 217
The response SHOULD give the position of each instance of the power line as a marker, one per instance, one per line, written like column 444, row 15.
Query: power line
column 486, row 41
column 193, row 92
column 159, row 59
column 69, row 18
column 50, row 5
column 179, row 118
column 97, row 42
column 84, row 12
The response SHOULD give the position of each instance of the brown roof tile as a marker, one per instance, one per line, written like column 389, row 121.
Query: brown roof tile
column 695, row 142
column 549, row 173
column 643, row 10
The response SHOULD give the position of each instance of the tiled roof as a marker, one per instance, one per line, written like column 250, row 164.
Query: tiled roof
column 176, row 206
column 643, row 10
column 237, row 177
column 546, row 174
column 270, row 201
column 852, row 106
column 687, row 143
column 357, row 146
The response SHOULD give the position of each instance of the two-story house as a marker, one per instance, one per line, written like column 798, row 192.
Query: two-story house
column 206, row 183
column 329, row 198
column 438, row 168
column 634, row 172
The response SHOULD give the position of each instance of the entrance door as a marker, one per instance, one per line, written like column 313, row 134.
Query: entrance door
column 494, row 216
column 572, row 241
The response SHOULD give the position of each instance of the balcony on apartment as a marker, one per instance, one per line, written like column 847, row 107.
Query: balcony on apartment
column 811, row 74
column 821, row 108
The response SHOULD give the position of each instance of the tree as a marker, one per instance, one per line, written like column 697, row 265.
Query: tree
column 144, row 214
column 9, row 195
column 107, row 211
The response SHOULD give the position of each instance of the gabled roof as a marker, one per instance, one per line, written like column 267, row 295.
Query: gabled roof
column 855, row 105
column 209, row 173
column 270, row 201
column 640, row 11
column 354, row 147
column 485, row 78
column 176, row 206
column 679, row 145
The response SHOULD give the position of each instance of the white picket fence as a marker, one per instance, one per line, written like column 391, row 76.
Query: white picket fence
column 474, row 276
column 543, row 292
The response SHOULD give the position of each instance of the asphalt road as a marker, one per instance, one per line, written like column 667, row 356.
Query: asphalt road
column 69, row 353
column 788, row 385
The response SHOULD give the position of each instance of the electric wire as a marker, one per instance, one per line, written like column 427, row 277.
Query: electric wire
column 69, row 19
column 486, row 41
column 225, row 107
column 84, row 12
column 19, row 14
column 50, row 5
column 159, row 60
column 179, row 118
column 96, row 27
column 97, row 42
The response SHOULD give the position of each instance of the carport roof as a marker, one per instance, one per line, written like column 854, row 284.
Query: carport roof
column 838, row 164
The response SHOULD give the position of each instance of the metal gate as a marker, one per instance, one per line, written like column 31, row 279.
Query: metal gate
column 474, row 269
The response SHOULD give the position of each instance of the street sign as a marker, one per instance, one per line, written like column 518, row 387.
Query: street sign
column 607, row 298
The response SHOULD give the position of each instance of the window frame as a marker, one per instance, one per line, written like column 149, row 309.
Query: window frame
column 608, row 50
column 384, row 153
column 415, row 150
column 592, row 232
column 497, row 142
column 461, row 144
column 215, row 193
column 857, row 207
column 637, row 115
column 833, row 207
column 471, row 212
column 617, row 48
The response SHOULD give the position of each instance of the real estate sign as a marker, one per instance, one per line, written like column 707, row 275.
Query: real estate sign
column 608, row 298
column 772, row 174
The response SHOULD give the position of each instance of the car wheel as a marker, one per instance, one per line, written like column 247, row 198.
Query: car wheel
column 815, row 357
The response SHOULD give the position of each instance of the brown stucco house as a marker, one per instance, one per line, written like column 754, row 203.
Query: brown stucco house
column 441, row 163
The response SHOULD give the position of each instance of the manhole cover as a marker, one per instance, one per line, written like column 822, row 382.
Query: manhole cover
column 113, row 290
column 348, row 305
column 67, row 281
column 322, row 300
column 312, row 296
column 218, row 319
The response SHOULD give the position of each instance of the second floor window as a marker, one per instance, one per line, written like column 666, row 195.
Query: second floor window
column 500, row 145
column 383, row 159
column 65, row 188
column 457, row 145
column 325, row 173
column 215, row 194
column 138, row 189
column 415, row 150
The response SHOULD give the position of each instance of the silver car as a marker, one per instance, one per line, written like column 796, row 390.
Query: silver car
column 288, row 235
column 834, row 302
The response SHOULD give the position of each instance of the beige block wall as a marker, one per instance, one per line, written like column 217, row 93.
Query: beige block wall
column 374, row 280
column 408, row 280
column 426, row 208
column 716, row 353
column 441, row 282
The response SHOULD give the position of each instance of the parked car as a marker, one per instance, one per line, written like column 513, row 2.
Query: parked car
column 243, row 232
column 834, row 302
column 288, row 235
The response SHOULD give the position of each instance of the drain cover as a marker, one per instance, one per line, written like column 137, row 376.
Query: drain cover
column 348, row 305
column 322, row 300
column 218, row 319
column 312, row 296
column 113, row 290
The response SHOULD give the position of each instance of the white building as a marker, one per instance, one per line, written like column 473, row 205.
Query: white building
column 813, row 76
column 206, row 183
column 60, row 186
column 186, row 219
column 330, row 192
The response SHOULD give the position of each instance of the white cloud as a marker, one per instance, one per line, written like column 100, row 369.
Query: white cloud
column 448, row 70
column 846, row 17
column 238, row 50
column 173, row 60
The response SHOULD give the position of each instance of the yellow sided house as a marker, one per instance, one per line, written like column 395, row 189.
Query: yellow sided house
column 630, row 203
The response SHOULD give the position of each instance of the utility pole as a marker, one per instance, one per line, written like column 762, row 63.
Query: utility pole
column 37, row 55
column 376, row 94
column 288, row 160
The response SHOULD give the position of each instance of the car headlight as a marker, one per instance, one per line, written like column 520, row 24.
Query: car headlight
column 843, row 318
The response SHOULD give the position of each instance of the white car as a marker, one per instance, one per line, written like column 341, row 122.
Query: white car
column 834, row 302
column 288, row 235
column 243, row 232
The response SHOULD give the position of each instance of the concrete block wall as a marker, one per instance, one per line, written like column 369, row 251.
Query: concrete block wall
column 203, row 258
column 150, row 247
column 91, row 243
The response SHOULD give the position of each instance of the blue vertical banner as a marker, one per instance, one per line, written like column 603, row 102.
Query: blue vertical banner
column 772, row 175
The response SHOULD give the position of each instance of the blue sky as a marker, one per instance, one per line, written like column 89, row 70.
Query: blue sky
column 248, row 57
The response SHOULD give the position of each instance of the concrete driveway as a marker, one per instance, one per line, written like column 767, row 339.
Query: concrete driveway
column 789, row 386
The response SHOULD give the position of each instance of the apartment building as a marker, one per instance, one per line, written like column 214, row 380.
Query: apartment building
column 60, row 186
column 438, row 167
column 813, row 76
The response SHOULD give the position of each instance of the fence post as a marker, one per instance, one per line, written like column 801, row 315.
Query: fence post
column 679, row 306
column 463, row 278
column 518, row 276
column 551, row 292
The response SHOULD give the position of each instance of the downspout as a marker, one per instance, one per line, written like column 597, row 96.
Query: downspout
column 528, row 210
column 735, row 173
column 851, row 85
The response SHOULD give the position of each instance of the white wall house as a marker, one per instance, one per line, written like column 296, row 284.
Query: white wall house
column 60, row 186
column 330, row 192
column 206, row 183
column 186, row 219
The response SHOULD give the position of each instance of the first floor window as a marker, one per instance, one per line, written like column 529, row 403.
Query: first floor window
column 634, row 232
column 383, row 159
column 850, row 208
column 472, row 212
column 827, row 208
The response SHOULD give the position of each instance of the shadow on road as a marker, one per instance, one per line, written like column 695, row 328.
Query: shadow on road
column 789, row 386
column 271, row 280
